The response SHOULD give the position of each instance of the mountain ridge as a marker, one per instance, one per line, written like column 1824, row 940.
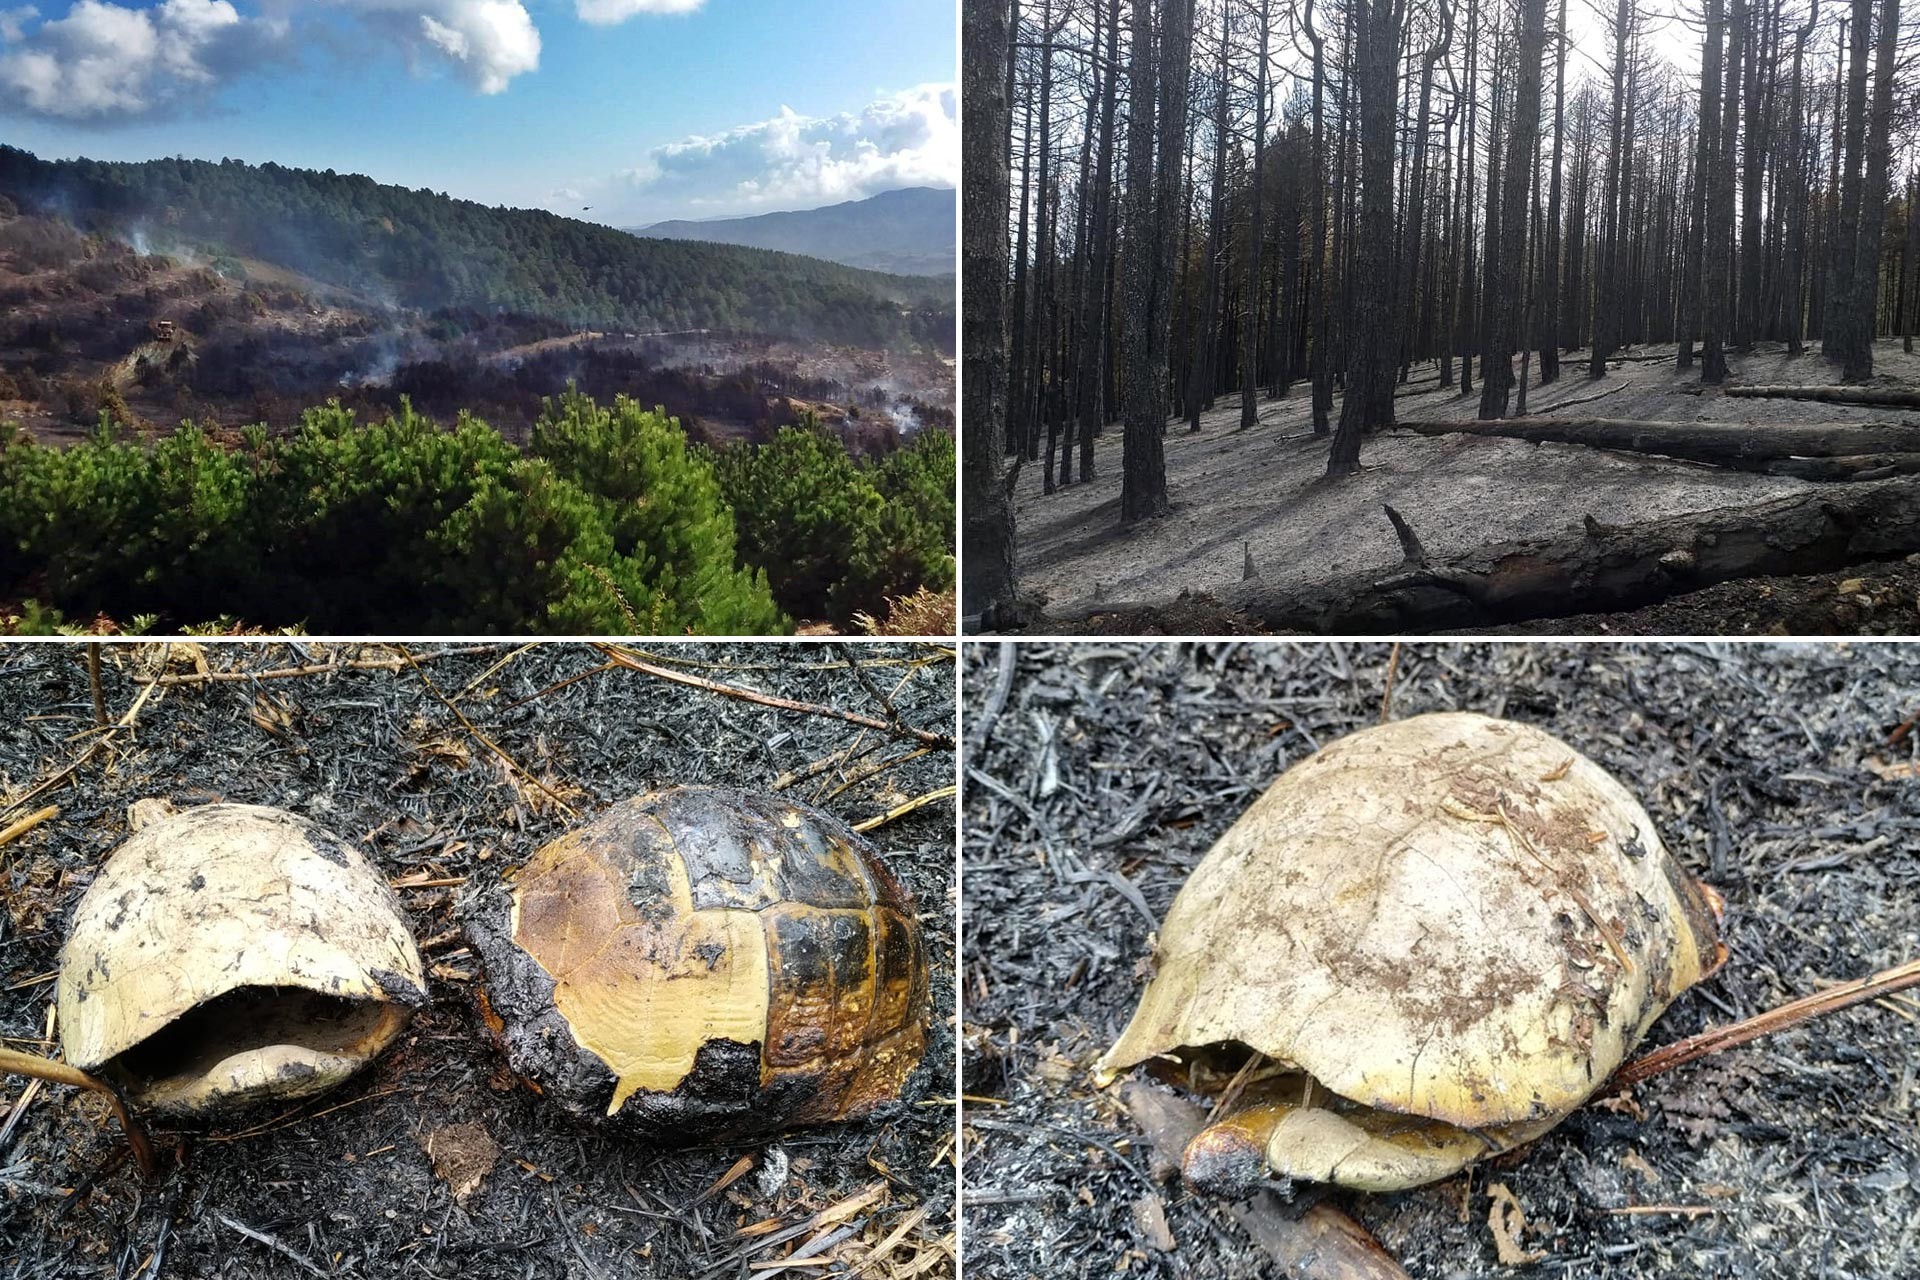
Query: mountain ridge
column 906, row 231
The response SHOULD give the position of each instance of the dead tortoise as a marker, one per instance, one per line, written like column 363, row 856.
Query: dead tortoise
column 701, row 961
column 231, row 954
column 1425, row 944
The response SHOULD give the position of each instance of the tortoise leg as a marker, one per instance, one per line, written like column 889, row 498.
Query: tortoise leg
column 1229, row 1157
column 1274, row 1143
column 1286, row 1141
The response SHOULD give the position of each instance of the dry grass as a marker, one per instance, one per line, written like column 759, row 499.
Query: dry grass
column 924, row 613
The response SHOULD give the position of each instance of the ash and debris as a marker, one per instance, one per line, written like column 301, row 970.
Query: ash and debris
column 1109, row 769
column 436, row 1162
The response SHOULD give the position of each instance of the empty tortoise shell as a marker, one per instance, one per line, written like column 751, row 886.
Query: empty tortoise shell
column 1425, row 944
column 701, row 961
column 232, row 954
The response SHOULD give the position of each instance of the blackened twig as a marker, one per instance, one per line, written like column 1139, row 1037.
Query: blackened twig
column 1794, row 1012
column 566, row 1229
column 243, row 676
column 279, row 1246
column 484, row 740
column 996, row 700
column 93, row 680
column 625, row 658
column 866, row 682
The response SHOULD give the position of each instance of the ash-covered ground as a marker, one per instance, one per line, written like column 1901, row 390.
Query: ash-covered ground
column 1111, row 768
column 343, row 1185
column 1259, row 498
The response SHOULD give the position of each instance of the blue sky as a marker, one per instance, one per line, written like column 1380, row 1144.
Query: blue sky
column 644, row 109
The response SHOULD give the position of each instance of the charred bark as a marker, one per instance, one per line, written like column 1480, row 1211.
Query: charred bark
column 1737, row 444
column 987, row 530
column 1368, row 404
column 1602, row 568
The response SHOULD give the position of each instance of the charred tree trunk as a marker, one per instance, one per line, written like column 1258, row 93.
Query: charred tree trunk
column 1017, row 428
column 1715, row 304
column 1319, row 365
column 1575, row 289
column 1368, row 403
column 1910, row 265
column 1029, row 347
column 1489, row 273
column 1256, row 233
column 1461, row 338
column 1734, row 444
column 1603, row 567
column 1705, row 163
column 1206, row 353
column 1857, row 358
column 987, row 532
column 1443, row 271
column 1841, row 340
column 1415, row 229
column 1093, row 372
column 1076, row 325
column 1157, row 87
column 1549, row 328
column 1607, row 287
column 1753, row 176
column 1507, row 270
column 1794, row 269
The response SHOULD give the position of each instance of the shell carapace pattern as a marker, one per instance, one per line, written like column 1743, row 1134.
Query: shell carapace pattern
column 705, row 961
column 1449, row 929
column 230, row 954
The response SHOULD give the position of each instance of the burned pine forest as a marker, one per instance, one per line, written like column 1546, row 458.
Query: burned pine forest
column 1374, row 316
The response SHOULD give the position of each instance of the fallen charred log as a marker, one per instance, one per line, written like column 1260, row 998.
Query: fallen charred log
column 1866, row 466
column 1749, row 446
column 1896, row 397
column 1602, row 567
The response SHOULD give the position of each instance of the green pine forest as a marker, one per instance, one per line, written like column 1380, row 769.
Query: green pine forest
column 607, row 521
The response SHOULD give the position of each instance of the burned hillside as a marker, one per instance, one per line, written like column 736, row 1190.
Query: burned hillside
column 92, row 324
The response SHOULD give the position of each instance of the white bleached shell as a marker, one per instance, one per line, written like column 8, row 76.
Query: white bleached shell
column 234, row 953
column 1453, row 929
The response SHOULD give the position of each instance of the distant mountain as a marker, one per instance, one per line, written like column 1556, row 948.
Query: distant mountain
column 908, row 232
column 425, row 250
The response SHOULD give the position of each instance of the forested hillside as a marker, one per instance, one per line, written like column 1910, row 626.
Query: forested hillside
column 423, row 250
column 1242, row 243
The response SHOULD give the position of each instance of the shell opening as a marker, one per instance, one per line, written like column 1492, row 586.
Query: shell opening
column 1275, row 1120
column 253, row 1043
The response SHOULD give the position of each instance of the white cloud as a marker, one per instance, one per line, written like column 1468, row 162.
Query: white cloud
column 107, row 60
column 104, row 60
column 603, row 13
column 13, row 22
column 487, row 42
column 907, row 139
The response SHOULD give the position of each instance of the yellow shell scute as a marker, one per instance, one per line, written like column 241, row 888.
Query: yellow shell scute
column 641, row 992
